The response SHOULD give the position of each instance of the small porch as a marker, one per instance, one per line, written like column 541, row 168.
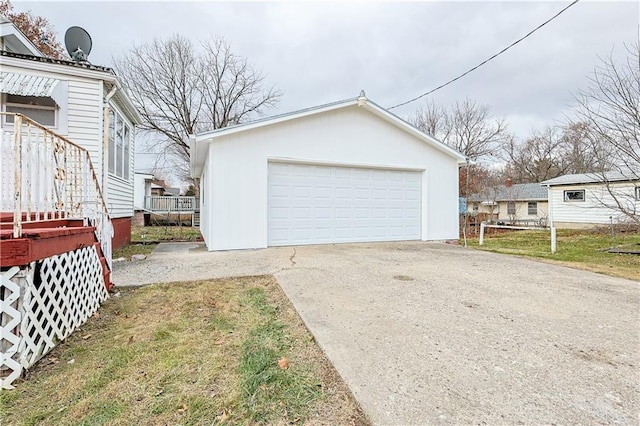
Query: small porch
column 172, row 208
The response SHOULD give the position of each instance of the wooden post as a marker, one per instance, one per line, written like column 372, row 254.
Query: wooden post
column 481, row 241
column 17, row 160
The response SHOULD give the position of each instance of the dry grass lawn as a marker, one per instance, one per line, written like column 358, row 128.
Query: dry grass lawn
column 209, row 352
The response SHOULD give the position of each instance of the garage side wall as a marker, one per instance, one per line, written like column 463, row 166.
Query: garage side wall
column 237, row 171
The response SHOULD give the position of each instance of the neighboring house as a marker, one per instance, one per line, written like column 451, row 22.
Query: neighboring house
column 142, row 183
column 348, row 171
column 585, row 200
column 521, row 202
column 82, row 102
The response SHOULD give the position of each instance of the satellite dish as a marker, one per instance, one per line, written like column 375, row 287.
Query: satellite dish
column 78, row 44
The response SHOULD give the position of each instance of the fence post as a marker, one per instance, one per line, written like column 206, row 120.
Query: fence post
column 554, row 244
column 17, row 180
column 481, row 240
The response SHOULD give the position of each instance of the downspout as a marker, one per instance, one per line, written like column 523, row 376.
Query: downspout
column 105, row 139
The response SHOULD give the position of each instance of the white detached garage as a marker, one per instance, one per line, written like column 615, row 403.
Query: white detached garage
column 343, row 172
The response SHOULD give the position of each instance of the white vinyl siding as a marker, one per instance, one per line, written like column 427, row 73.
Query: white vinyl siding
column 315, row 204
column 85, row 119
column 598, row 206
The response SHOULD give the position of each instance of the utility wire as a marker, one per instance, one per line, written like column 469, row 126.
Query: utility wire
column 486, row 60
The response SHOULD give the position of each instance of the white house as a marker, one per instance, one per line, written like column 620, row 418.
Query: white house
column 520, row 202
column 585, row 200
column 349, row 171
column 142, row 183
column 84, row 103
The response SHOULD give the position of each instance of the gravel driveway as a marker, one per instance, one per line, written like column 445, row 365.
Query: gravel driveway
column 430, row 333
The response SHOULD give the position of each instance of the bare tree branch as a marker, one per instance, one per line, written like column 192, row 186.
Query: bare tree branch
column 181, row 90
column 466, row 127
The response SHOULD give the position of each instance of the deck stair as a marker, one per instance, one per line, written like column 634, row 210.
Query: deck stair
column 55, row 243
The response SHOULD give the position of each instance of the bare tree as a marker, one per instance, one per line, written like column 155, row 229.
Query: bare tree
column 182, row 90
column 580, row 152
column 610, row 105
column 555, row 151
column 537, row 158
column 37, row 29
column 466, row 127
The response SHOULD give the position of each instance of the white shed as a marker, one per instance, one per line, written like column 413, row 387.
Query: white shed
column 593, row 199
column 349, row 171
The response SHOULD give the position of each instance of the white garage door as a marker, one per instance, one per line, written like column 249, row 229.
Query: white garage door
column 309, row 204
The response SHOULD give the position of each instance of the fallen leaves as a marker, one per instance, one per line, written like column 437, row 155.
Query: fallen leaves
column 222, row 417
column 283, row 363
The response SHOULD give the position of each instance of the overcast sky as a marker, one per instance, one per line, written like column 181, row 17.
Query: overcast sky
column 319, row 52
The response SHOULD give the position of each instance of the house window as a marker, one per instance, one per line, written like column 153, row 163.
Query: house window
column 638, row 193
column 119, row 145
column 511, row 207
column 574, row 195
column 476, row 207
column 38, row 108
column 532, row 208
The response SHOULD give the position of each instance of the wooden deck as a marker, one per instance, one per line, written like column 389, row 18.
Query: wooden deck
column 41, row 240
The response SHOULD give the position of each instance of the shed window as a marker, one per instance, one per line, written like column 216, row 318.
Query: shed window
column 574, row 195
column 511, row 207
column 638, row 193
column 476, row 207
column 532, row 208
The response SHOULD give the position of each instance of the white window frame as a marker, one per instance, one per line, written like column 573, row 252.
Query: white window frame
column 637, row 193
column 6, row 104
column 124, row 151
column 577, row 191
column 532, row 206
column 59, row 97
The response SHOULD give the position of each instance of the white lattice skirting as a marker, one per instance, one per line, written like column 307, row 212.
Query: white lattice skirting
column 43, row 304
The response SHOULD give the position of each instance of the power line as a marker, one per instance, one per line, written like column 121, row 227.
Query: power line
column 486, row 60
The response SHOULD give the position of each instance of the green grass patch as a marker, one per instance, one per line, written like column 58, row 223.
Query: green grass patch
column 583, row 249
column 268, row 389
column 186, row 353
column 144, row 239
column 141, row 234
column 134, row 248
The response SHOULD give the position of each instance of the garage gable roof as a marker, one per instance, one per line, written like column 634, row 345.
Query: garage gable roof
column 200, row 141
